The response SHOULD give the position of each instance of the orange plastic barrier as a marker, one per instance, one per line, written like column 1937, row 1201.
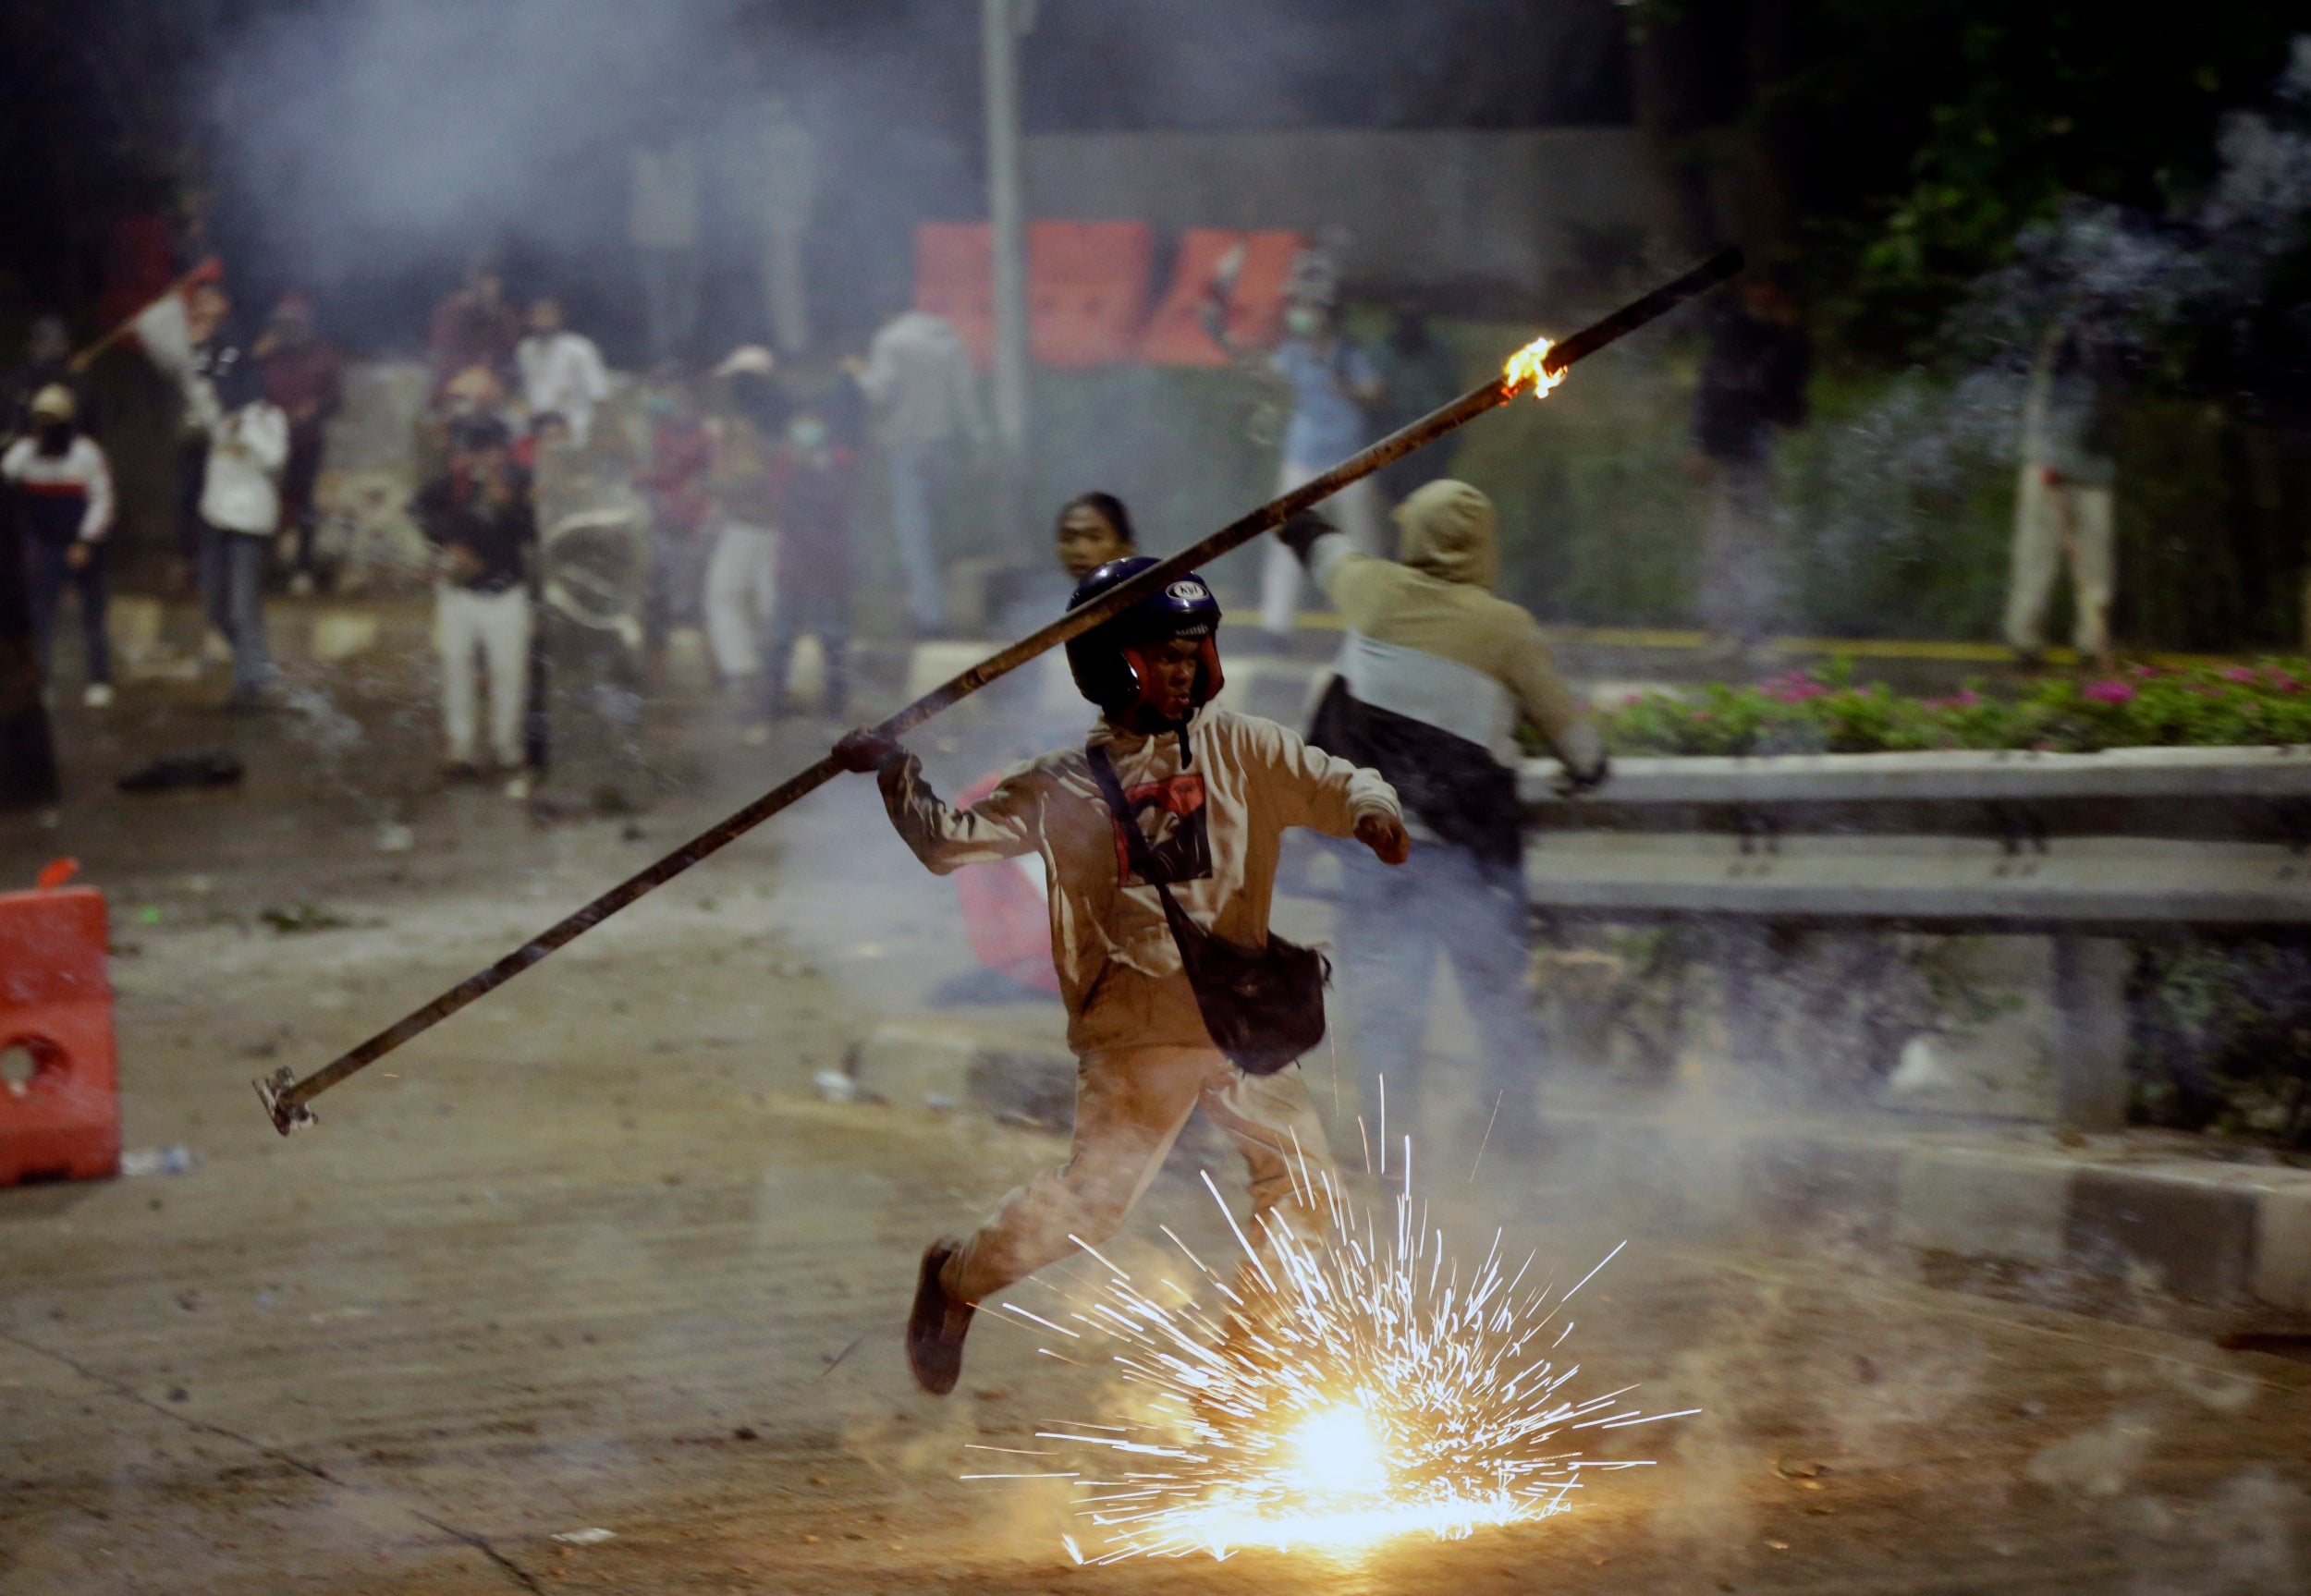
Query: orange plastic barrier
column 1087, row 287
column 1259, row 262
column 954, row 278
column 1005, row 913
column 56, row 1004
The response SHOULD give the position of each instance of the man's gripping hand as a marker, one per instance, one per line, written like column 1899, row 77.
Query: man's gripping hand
column 868, row 749
column 1384, row 834
column 1300, row 533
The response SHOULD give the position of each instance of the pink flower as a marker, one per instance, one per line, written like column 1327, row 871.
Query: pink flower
column 1964, row 698
column 2241, row 674
column 1792, row 687
column 2283, row 682
column 2107, row 692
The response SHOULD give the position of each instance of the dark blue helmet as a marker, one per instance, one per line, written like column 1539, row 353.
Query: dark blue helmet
column 1102, row 658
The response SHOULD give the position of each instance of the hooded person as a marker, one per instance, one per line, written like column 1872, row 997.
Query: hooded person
column 1159, row 838
column 63, row 506
column 1433, row 677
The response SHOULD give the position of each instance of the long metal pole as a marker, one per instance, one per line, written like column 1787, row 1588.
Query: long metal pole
column 286, row 1097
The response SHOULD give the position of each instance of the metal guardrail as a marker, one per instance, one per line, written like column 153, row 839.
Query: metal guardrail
column 2094, row 850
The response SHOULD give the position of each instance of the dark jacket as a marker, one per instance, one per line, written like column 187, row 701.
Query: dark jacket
column 451, row 512
column 1751, row 381
column 811, row 506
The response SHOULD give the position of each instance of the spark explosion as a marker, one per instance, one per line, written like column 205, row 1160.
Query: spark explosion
column 1350, row 1387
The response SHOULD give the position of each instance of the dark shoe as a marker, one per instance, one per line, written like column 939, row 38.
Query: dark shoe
column 937, row 1327
column 212, row 768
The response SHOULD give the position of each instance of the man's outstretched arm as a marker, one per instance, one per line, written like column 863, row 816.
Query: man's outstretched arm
column 1000, row 826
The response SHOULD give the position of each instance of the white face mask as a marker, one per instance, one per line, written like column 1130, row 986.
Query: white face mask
column 807, row 434
column 1302, row 321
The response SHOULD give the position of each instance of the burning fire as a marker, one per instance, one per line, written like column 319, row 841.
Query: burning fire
column 1527, row 366
column 1346, row 1388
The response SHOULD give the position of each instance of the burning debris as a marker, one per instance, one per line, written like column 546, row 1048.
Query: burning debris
column 1344, row 1390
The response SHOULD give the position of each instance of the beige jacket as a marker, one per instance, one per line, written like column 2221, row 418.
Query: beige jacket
column 1222, row 817
column 1438, row 602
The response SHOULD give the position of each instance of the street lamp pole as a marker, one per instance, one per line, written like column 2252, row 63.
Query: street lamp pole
column 1001, row 25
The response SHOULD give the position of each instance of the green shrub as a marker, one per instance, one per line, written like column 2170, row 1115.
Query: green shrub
column 2142, row 706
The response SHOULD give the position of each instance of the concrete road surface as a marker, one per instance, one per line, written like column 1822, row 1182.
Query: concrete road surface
column 594, row 1257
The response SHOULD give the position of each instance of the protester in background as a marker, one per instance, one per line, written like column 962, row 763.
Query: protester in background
column 1333, row 382
column 813, row 485
column 478, row 514
column 1418, row 374
column 1433, row 677
column 209, row 354
column 63, row 491
column 47, row 362
column 920, row 378
column 2063, row 501
column 475, row 326
column 1004, row 912
column 741, row 575
column 561, row 371
column 1753, row 384
column 241, row 512
column 677, row 483
column 1092, row 530
column 304, row 376
column 788, row 185
column 662, row 225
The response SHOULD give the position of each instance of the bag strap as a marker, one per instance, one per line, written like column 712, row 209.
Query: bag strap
column 1135, row 847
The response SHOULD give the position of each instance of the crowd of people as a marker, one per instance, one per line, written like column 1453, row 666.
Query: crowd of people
column 742, row 479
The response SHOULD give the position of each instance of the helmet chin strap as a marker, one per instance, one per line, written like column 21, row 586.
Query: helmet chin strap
column 1144, row 714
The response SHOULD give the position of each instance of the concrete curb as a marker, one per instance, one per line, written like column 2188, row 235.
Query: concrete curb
column 2102, row 1215
column 2109, row 1213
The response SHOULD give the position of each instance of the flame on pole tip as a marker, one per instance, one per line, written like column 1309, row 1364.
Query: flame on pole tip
column 1529, row 367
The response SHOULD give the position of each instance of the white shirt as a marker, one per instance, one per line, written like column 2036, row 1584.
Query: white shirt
column 920, row 374
column 563, row 373
column 247, row 450
column 79, row 472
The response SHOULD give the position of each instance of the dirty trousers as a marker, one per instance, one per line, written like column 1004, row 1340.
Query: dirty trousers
column 1130, row 1106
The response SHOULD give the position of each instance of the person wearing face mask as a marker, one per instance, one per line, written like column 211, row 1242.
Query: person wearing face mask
column 1333, row 382
column 813, row 484
column 63, row 506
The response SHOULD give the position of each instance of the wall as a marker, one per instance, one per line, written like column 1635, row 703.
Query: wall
column 1505, row 211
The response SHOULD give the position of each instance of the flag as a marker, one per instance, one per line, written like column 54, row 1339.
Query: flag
column 164, row 326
